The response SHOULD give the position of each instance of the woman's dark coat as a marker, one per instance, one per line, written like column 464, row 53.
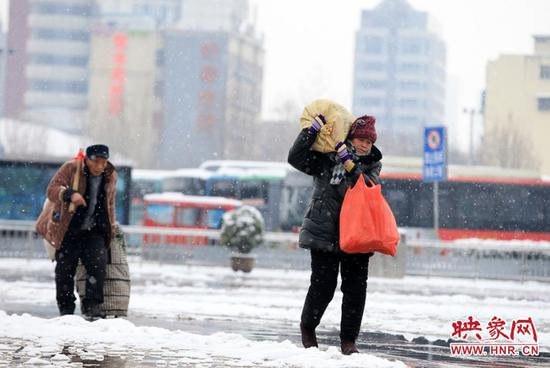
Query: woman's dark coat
column 320, row 229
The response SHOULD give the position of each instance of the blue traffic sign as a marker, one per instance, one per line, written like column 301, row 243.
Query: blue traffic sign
column 435, row 154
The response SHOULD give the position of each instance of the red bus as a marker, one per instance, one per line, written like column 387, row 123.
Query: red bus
column 475, row 202
column 176, row 210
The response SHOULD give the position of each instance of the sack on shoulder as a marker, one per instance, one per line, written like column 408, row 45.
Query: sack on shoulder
column 338, row 118
column 367, row 223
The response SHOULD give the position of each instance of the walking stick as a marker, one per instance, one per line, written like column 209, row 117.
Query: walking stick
column 76, row 179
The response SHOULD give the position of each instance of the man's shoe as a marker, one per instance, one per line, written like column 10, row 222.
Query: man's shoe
column 65, row 310
column 94, row 312
column 309, row 340
column 348, row 347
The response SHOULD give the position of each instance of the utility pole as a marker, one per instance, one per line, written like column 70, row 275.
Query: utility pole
column 471, row 112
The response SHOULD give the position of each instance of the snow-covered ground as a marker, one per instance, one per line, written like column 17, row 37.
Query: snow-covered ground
column 208, row 298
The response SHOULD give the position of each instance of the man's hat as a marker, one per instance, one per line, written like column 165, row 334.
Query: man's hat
column 97, row 150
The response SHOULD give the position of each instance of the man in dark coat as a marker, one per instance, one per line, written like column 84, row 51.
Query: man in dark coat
column 84, row 234
column 333, row 173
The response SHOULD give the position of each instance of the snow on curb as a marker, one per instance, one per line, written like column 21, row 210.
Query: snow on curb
column 123, row 337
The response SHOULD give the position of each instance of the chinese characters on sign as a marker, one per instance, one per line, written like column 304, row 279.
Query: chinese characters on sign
column 118, row 74
column 208, row 74
column 435, row 151
column 496, row 338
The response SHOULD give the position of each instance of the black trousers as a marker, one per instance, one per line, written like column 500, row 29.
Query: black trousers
column 324, row 278
column 89, row 247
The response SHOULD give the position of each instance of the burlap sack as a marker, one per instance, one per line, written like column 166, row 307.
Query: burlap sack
column 116, row 289
column 338, row 118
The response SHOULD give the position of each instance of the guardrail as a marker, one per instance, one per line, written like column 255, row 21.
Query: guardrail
column 520, row 261
column 480, row 259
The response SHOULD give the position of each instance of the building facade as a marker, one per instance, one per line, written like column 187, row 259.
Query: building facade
column 16, row 59
column 212, row 96
column 58, row 48
column 399, row 74
column 214, row 15
column 123, row 106
column 3, row 55
column 163, row 13
column 517, row 104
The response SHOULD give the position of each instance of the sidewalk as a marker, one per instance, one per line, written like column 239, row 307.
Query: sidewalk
column 219, row 314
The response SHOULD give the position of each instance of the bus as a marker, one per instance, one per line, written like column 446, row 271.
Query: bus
column 187, row 181
column 177, row 210
column 255, row 183
column 475, row 202
column 144, row 182
column 23, row 189
column 215, row 165
column 295, row 197
column 260, row 188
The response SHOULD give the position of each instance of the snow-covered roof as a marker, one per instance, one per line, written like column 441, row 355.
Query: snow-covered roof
column 250, row 172
column 214, row 165
column 140, row 174
column 190, row 173
column 179, row 197
column 27, row 141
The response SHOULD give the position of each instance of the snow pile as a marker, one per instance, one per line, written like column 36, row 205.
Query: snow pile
column 242, row 229
column 119, row 337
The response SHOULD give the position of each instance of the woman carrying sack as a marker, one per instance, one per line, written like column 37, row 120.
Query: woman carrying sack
column 333, row 173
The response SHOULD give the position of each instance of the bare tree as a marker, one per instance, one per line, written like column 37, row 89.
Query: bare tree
column 289, row 110
column 507, row 146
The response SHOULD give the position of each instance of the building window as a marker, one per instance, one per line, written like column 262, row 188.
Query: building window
column 60, row 34
column 62, row 86
column 374, row 45
column 411, row 68
column 411, row 46
column 55, row 8
column 371, row 101
column 373, row 84
column 55, row 59
column 412, row 86
column 545, row 72
column 544, row 103
column 408, row 103
column 374, row 67
column 408, row 119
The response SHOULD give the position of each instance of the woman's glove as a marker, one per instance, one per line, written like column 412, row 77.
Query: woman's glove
column 371, row 173
column 316, row 125
column 345, row 157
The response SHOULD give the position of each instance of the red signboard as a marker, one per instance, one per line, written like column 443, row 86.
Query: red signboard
column 118, row 74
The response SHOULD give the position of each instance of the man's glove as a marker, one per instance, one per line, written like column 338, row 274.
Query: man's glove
column 345, row 157
column 316, row 125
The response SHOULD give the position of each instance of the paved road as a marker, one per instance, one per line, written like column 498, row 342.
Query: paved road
column 415, row 352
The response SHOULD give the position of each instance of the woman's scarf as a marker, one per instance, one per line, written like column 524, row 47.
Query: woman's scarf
column 339, row 171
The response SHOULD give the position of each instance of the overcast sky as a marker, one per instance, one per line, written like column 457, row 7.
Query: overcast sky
column 309, row 46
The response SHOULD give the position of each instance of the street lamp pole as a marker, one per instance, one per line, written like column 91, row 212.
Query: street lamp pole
column 472, row 113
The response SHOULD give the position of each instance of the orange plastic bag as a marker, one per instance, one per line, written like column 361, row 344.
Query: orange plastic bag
column 367, row 223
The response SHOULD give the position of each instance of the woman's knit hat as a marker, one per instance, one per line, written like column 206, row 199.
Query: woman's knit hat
column 363, row 127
